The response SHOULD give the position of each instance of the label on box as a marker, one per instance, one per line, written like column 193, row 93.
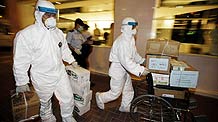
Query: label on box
column 165, row 92
column 82, row 109
column 80, row 88
column 186, row 79
column 78, row 74
column 85, row 99
column 160, row 79
column 158, row 64
column 168, row 95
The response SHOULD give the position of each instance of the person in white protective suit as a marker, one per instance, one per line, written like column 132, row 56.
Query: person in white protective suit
column 124, row 60
column 42, row 47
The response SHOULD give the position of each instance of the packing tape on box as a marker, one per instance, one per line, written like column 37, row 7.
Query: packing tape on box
column 30, row 118
column 165, row 46
column 26, row 109
column 26, row 104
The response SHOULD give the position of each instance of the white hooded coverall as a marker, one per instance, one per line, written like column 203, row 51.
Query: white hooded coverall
column 43, row 51
column 124, row 58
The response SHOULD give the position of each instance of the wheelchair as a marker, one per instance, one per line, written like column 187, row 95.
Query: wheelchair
column 150, row 108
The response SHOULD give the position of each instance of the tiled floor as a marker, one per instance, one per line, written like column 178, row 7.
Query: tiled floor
column 206, row 106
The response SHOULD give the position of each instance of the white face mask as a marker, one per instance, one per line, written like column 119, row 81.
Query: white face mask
column 128, row 30
column 50, row 23
column 80, row 28
column 134, row 31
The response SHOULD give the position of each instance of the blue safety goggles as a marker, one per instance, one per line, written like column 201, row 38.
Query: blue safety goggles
column 133, row 23
column 48, row 10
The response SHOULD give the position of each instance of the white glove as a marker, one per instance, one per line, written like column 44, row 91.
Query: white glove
column 77, row 51
column 22, row 88
column 144, row 63
column 145, row 72
column 75, row 64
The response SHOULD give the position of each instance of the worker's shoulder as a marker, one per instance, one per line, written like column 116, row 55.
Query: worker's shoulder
column 72, row 30
column 29, row 27
column 59, row 30
column 27, row 30
column 121, row 39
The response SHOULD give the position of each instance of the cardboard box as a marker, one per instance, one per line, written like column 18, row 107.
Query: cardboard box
column 160, row 79
column 186, row 79
column 80, row 88
column 25, row 110
column 178, row 65
column 171, row 93
column 82, row 109
column 158, row 64
column 163, row 47
column 183, row 75
column 78, row 74
column 85, row 99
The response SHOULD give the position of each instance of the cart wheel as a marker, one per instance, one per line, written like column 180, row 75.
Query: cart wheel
column 150, row 108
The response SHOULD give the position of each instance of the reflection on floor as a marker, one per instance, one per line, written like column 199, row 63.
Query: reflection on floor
column 206, row 106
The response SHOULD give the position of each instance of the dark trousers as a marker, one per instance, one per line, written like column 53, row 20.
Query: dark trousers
column 82, row 59
column 86, row 51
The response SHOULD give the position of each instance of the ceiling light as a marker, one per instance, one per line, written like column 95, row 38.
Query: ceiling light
column 99, row 10
column 179, row 6
column 58, row 3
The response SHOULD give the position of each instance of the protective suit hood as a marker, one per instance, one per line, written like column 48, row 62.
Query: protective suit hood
column 41, row 7
column 127, row 26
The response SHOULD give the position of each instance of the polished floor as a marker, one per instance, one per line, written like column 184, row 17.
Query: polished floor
column 205, row 106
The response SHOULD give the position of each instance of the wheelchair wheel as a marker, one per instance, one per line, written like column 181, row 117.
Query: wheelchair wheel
column 150, row 108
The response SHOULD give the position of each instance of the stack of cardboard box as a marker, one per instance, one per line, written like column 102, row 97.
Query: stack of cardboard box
column 161, row 60
column 80, row 83
column 160, row 68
